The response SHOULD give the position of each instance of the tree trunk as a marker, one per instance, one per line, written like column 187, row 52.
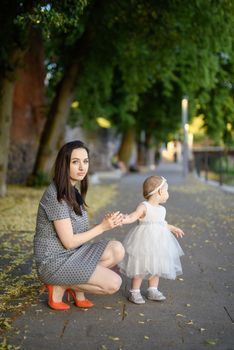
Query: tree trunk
column 56, row 120
column 6, row 98
column 149, row 149
column 125, row 150
column 28, row 114
column 59, row 111
column 7, row 84
column 58, row 114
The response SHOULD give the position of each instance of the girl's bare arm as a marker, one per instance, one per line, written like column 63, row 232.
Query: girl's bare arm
column 139, row 213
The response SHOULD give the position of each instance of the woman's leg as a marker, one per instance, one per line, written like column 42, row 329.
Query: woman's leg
column 102, row 281
column 58, row 292
column 112, row 255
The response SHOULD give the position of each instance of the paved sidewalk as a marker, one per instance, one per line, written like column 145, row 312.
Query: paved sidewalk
column 199, row 310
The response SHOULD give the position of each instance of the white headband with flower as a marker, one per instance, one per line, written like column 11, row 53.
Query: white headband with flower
column 158, row 188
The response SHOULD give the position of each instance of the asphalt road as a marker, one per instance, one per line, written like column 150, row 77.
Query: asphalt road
column 199, row 310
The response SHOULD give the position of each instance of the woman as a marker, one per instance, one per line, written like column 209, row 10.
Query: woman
column 65, row 258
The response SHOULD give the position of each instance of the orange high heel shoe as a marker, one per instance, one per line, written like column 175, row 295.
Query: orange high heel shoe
column 79, row 303
column 54, row 305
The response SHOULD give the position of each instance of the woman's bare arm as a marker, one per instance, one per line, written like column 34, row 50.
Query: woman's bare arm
column 70, row 240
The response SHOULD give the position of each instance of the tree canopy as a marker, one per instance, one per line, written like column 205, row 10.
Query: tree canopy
column 129, row 61
column 141, row 47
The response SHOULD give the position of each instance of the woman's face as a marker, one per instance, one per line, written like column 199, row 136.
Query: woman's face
column 79, row 165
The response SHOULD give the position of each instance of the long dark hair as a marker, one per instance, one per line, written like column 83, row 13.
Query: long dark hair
column 61, row 178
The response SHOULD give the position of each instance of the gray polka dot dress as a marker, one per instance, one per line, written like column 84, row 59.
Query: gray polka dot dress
column 55, row 264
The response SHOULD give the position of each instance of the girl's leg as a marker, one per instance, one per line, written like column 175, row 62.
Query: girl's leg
column 153, row 281
column 153, row 293
column 136, row 282
column 134, row 293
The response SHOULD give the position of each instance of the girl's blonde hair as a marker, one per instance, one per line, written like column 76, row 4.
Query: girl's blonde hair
column 150, row 184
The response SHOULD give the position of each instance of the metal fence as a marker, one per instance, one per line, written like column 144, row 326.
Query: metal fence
column 215, row 163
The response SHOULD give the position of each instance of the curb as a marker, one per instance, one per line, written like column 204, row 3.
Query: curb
column 225, row 188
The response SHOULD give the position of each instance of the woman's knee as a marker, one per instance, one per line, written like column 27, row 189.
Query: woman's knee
column 114, row 284
column 118, row 251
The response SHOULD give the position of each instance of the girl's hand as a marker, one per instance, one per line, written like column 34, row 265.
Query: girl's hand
column 178, row 232
column 125, row 218
column 112, row 220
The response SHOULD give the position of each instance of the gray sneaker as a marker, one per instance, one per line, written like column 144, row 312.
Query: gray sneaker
column 136, row 298
column 155, row 294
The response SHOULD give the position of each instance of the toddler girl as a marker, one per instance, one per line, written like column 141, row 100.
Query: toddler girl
column 151, row 249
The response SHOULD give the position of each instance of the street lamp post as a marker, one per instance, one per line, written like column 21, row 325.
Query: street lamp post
column 184, row 105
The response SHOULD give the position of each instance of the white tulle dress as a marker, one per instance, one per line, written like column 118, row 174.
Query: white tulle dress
column 150, row 248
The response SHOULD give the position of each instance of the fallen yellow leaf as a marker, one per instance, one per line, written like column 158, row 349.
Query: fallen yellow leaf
column 113, row 338
column 190, row 322
column 211, row 341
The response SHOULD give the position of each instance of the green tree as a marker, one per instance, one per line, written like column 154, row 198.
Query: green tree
column 218, row 106
column 170, row 44
column 95, row 47
column 18, row 19
column 12, row 49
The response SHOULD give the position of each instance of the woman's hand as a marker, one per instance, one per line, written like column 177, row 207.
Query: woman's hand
column 70, row 240
column 112, row 220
